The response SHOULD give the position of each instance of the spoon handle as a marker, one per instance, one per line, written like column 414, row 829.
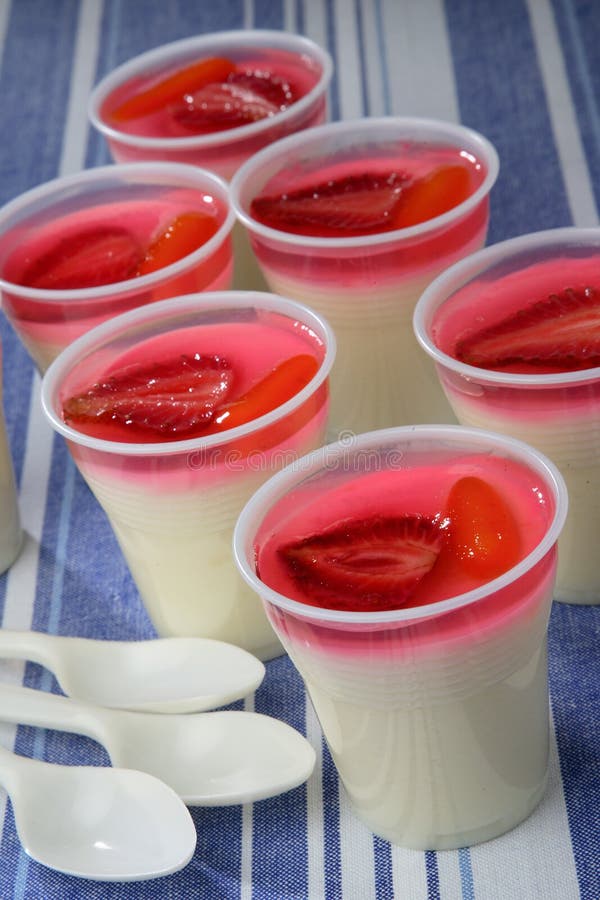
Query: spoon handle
column 32, row 645
column 25, row 706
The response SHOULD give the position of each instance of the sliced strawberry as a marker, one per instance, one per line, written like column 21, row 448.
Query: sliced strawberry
column 482, row 533
column 560, row 333
column 369, row 564
column 102, row 254
column 275, row 90
column 186, row 233
column 171, row 88
column 433, row 195
column 174, row 399
column 280, row 385
column 245, row 97
column 356, row 204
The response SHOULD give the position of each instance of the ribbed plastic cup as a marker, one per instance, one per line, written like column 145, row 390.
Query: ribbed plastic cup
column 557, row 412
column 436, row 715
column 173, row 504
column 367, row 286
column 136, row 198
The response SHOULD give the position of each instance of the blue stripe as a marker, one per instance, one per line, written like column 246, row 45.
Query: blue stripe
column 466, row 874
column 331, row 825
column 432, row 875
column 573, row 641
column 489, row 40
column 366, row 107
column 381, row 46
column 580, row 43
column 280, row 867
column 384, row 879
column 334, row 89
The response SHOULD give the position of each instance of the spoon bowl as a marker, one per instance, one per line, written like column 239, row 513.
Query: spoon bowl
column 210, row 759
column 99, row 823
column 168, row 675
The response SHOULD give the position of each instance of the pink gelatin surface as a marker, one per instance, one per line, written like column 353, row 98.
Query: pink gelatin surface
column 416, row 492
column 59, row 316
column 430, row 180
column 422, row 491
column 558, row 303
column 249, row 351
column 283, row 78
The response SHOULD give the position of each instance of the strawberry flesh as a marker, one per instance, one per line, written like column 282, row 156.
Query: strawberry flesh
column 364, row 564
column 93, row 257
column 557, row 334
column 245, row 97
column 173, row 399
column 353, row 205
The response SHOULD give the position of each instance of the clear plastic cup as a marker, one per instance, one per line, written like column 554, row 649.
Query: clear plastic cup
column 137, row 200
column 436, row 715
column 223, row 151
column 11, row 533
column 557, row 412
column 367, row 286
column 173, row 504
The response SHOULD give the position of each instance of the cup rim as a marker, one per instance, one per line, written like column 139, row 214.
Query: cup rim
column 396, row 125
column 464, row 271
column 277, row 486
column 295, row 43
column 201, row 179
column 96, row 337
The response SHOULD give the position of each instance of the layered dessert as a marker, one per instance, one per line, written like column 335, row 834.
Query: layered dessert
column 212, row 100
column 528, row 342
column 63, row 274
column 11, row 535
column 210, row 94
column 435, row 708
column 356, row 225
column 174, row 433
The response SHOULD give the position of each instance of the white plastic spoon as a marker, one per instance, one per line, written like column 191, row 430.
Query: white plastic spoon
column 169, row 675
column 95, row 822
column 210, row 759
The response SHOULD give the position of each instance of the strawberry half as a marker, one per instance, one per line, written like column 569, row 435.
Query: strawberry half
column 364, row 564
column 245, row 97
column 171, row 399
column 102, row 254
column 560, row 333
column 353, row 205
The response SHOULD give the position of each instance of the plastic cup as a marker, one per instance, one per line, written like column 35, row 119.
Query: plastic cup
column 558, row 413
column 173, row 505
column 305, row 63
column 139, row 198
column 436, row 715
column 224, row 151
column 11, row 533
column 367, row 286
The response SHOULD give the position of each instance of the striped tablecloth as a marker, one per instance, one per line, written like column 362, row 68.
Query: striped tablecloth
column 527, row 74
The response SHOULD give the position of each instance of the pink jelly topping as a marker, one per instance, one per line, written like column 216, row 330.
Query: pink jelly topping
column 542, row 319
column 192, row 383
column 368, row 198
column 211, row 94
column 403, row 537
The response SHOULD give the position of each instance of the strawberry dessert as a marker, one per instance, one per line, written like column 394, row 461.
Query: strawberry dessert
column 68, row 264
column 212, row 100
column 355, row 219
column 174, row 415
column 518, row 351
column 410, row 579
